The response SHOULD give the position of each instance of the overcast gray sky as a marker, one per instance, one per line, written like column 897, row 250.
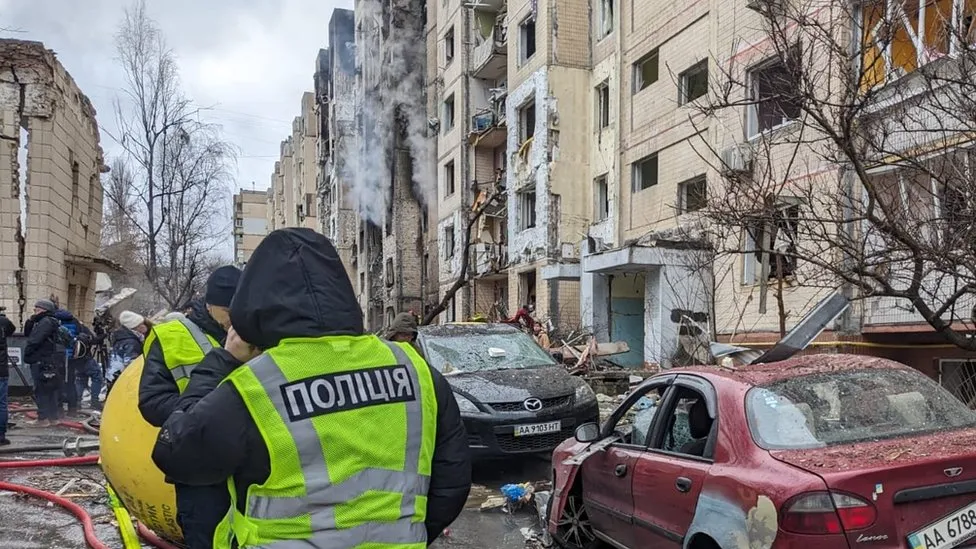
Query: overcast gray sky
column 250, row 59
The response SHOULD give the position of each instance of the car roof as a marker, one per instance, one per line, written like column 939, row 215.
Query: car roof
column 765, row 374
column 461, row 329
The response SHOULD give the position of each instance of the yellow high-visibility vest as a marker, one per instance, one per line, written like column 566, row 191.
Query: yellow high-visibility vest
column 184, row 345
column 350, row 423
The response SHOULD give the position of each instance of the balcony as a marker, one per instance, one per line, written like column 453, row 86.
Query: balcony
column 487, row 130
column 490, row 259
column 489, row 60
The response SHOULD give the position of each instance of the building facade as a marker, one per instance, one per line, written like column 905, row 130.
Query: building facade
column 51, row 198
column 292, row 201
column 250, row 223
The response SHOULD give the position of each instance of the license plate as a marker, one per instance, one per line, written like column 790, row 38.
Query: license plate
column 948, row 531
column 538, row 429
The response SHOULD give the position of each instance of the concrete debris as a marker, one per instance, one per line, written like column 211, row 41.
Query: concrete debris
column 492, row 503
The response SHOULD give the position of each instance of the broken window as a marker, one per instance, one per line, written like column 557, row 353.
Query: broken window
column 773, row 90
column 527, row 39
column 602, row 198
column 449, row 241
column 527, row 122
column 449, row 312
column 605, row 23
column 526, row 209
column 898, row 36
column 645, row 172
column 449, row 181
column 449, row 45
column 694, row 82
column 603, row 105
column 389, row 272
column 645, row 71
column 449, row 113
column 776, row 235
column 75, row 186
column 692, row 194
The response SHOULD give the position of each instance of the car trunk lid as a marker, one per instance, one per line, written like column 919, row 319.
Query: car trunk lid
column 912, row 481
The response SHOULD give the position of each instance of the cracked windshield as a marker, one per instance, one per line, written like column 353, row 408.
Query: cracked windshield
column 487, row 274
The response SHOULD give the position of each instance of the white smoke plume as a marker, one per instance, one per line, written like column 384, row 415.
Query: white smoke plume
column 392, row 74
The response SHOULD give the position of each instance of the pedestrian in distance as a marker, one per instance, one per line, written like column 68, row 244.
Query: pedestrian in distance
column 81, row 338
column 127, row 343
column 173, row 349
column 7, row 329
column 45, row 354
column 404, row 330
column 330, row 437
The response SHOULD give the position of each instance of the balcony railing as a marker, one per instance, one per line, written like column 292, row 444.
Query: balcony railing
column 490, row 58
column 489, row 258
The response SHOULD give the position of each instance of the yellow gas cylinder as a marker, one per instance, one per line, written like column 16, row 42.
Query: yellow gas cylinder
column 126, row 442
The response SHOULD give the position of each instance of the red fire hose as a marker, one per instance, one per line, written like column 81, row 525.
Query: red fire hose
column 152, row 538
column 60, row 462
column 76, row 510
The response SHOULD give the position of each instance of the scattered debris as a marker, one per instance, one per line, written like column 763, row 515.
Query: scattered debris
column 517, row 495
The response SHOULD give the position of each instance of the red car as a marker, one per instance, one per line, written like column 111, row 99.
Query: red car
column 821, row 451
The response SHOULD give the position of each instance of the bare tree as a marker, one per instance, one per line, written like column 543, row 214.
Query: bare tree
column 177, row 166
column 858, row 168
column 482, row 204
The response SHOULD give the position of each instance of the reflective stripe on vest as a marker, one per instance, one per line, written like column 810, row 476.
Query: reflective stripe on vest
column 322, row 495
column 180, row 357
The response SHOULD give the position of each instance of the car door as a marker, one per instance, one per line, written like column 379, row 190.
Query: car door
column 608, row 475
column 668, row 477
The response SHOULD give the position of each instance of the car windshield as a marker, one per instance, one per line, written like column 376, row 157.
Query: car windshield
column 820, row 410
column 472, row 352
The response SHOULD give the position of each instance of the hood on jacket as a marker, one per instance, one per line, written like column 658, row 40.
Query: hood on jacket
column 294, row 285
column 199, row 316
column 65, row 316
column 403, row 323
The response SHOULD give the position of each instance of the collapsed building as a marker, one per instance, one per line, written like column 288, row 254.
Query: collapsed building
column 51, row 194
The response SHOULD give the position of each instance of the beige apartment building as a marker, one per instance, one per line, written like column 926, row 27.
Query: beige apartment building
column 250, row 223
column 51, row 198
column 292, row 201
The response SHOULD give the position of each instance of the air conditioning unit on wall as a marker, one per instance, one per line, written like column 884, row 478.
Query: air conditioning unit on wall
column 737, row 159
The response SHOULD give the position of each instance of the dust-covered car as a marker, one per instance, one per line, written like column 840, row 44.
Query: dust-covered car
column 821, row 451
column 514, row 397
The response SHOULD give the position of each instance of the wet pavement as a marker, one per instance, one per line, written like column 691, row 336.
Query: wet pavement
column 28, row 522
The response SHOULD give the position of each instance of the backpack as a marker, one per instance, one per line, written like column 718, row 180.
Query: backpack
column 62, row 337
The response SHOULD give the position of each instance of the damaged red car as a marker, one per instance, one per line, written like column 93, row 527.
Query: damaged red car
column 820, row 451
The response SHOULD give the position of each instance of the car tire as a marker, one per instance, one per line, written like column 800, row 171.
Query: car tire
column 573, row 529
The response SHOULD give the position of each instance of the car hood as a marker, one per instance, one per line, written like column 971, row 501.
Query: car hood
column 514, row 385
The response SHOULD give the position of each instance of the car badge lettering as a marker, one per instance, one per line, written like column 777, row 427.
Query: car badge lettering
column 532, row 404
column 862, row 538
column 952, row 472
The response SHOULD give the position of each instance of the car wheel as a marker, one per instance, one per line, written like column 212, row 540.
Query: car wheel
column 574, row 530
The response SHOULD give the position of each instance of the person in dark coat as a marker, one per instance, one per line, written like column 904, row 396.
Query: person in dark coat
column 45, row 359
column 126, row 344
column 403, row 329
column 198, row 508
column 7, row 329
column 212, row 436
column 75, row 361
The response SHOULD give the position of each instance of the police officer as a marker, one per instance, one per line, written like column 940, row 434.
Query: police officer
column 331, row 437
column 172, row 350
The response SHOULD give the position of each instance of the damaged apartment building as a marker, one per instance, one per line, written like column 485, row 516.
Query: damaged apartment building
column 393, row 170
column 513, row 98
column 51, row 194
column 335, row 78
column 292, row 199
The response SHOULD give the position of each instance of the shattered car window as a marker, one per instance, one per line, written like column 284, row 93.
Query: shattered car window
column 481, row 352
column 851, row 406
column 635, row 424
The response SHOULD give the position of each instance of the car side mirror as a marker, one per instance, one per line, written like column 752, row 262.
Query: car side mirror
column 558, row 357
column 588, row 432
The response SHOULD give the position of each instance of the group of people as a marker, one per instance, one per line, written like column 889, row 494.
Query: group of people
column 282, row 420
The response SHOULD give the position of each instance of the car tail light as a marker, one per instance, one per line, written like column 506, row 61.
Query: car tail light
column 826, row 513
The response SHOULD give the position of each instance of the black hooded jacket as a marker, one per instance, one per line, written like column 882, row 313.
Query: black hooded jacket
column 212, row 436
column 7, row 329
column 41, row 348
column 158, row 392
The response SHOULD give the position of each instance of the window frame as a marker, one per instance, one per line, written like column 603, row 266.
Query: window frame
column 450, row 178
column 601, row 210
column 660, row 382
column 603, row 105
column 706, row 391
column 524, row 42
column 524, row 127
column 683, row 82
column 752, row 128
column 637, row 173
column 639, row 83
column 449, row 46
column 752, row 265
column 683, row 193
column 449, row 113
column 604, row 25
column 449, row 243
column 523, row 209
